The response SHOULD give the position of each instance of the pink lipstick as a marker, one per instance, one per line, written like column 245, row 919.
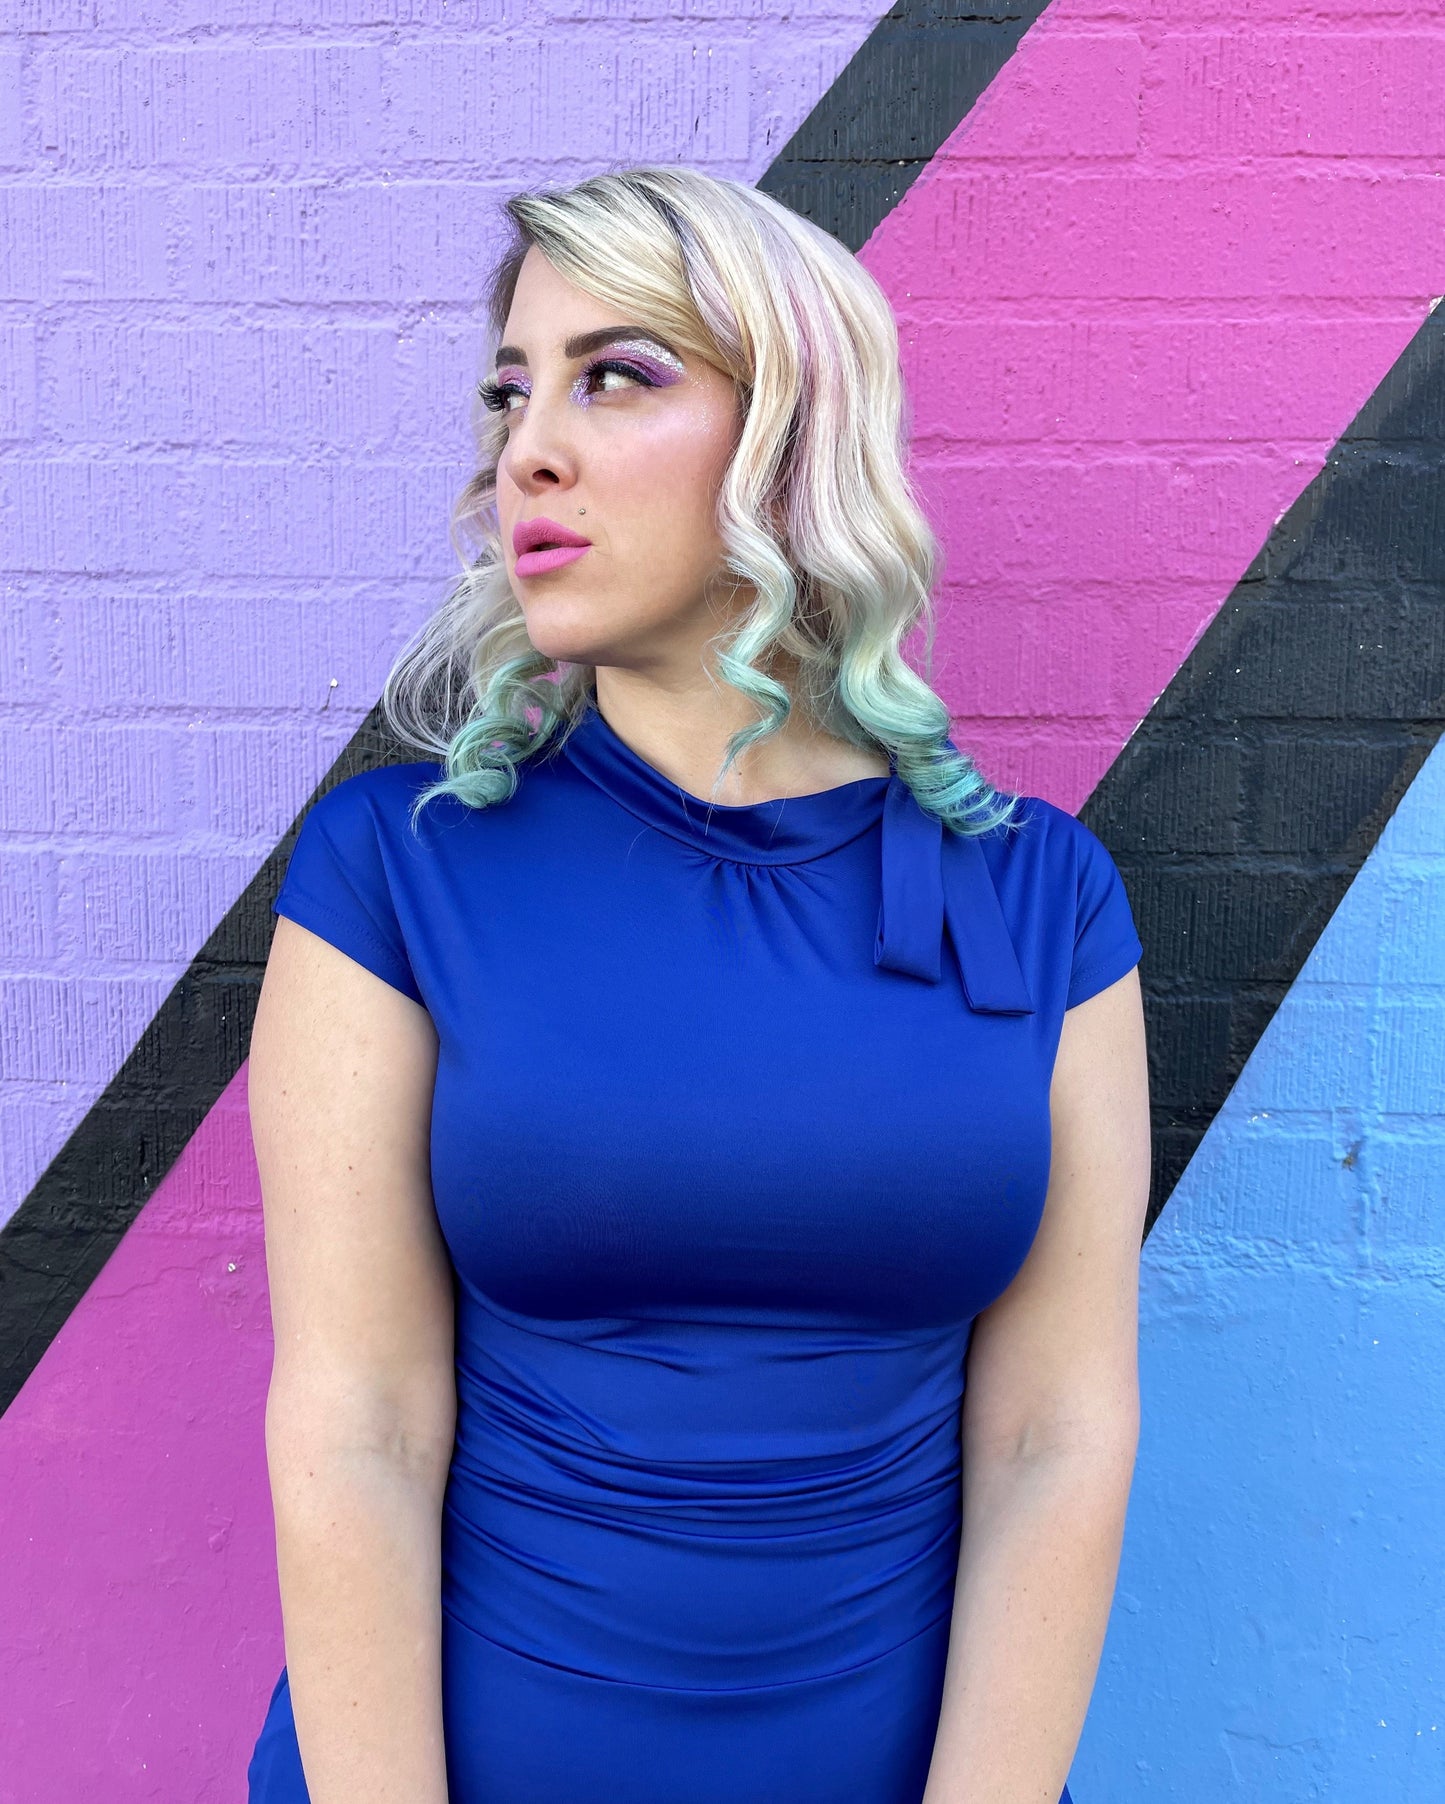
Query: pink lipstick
column 542, row 545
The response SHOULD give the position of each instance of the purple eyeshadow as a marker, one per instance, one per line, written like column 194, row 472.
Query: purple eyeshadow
column 659, row 368
column 645, row 352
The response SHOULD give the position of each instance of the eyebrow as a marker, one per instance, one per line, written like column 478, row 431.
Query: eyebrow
column 590, row 341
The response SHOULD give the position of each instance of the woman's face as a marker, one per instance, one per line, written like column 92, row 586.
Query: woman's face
column 624, row 443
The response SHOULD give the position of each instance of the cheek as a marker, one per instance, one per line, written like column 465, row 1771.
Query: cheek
column 669, row 479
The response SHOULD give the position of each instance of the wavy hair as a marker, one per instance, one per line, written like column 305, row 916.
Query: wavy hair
column 815, row 511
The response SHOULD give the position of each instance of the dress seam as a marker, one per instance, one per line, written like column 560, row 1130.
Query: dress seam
column 298, row 896
column 499, row 1313
column 811, row 1678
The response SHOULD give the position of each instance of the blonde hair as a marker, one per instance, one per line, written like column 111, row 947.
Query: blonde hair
column 815, row 511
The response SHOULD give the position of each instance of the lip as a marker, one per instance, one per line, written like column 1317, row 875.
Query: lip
column 542, row 545
column 537, row 563
column 532, row 535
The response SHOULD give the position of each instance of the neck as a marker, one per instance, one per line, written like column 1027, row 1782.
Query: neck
column 683, row 732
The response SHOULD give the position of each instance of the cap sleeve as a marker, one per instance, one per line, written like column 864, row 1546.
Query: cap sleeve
column 336, row 883
column 1106, row 943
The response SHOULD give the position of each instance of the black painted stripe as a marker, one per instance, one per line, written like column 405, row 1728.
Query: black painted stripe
column 917, row 74
column 915, row 77
column 1244, row 805
column 56, row 1243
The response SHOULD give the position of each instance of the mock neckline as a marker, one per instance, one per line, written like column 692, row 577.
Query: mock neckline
column 934, row 888
column 787, row 830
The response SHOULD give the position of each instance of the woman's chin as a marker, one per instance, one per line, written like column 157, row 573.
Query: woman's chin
column 568, row 647
column 598, row 629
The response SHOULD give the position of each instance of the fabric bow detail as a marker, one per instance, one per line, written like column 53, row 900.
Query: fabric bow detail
column 931, row 878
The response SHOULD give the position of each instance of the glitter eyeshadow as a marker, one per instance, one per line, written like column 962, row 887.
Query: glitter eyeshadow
column 661, row 367
column 646, row 350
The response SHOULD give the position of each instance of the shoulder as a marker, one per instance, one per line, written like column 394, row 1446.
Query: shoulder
column 371, row 811
column 379, row 794
column 382, row 822
column 359, row 831
column 1046, row 839
column 349, row 874
column 1063, row 896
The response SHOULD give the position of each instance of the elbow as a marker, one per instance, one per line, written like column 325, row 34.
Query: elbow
column 322, row 1439
column 1088, row 1476
column 1102, row 1441
column 1106, row 1444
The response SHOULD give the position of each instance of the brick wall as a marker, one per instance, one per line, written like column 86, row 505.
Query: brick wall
column 1154, row 266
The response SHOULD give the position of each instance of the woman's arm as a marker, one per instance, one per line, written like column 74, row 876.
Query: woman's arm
column 1050, row 1431
column 362, row 1403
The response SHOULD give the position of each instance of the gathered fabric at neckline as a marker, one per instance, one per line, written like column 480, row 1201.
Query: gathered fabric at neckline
column 934, row 887
column 786, row 830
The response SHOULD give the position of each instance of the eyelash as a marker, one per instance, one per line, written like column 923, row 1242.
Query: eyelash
column 494, row 394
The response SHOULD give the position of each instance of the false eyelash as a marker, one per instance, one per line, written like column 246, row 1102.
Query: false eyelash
column 494, row 394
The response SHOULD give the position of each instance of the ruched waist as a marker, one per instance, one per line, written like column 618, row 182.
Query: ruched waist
column 514, row 1452
column 641, row 1596
column 615, row 1556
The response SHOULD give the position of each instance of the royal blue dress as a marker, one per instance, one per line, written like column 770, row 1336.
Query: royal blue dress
column 741, row 1117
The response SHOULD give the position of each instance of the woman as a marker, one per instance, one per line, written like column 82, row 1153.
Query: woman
column 661, row 1090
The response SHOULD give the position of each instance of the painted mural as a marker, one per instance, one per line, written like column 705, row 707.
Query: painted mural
column 1167, row 277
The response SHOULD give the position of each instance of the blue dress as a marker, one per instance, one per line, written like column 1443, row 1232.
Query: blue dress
column 740, row 1118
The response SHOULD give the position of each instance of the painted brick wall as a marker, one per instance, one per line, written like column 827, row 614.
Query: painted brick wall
column 242, row 249
column 1280, row 1620
column 1146, row 284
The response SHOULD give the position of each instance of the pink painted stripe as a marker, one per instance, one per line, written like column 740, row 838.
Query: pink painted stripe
column 1137, row 314
column 142, row 1622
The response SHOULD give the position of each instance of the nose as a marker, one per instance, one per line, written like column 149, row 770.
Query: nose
column 540, row 455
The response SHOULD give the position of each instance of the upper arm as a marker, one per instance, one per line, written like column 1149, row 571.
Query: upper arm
column 340, row 1079
column 1054, row 1360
